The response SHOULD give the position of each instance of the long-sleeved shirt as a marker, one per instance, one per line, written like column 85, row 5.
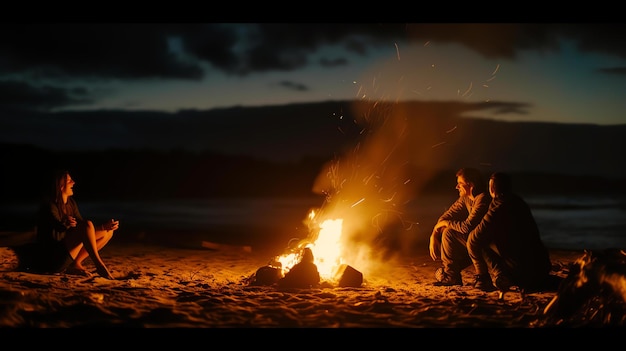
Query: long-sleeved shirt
column 51, row 224
column 465, row 214
column 510, row 225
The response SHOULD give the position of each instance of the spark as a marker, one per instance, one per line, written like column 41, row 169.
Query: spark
column 359, row 92
column 427, row 43
column 410, row 224
column 407, row 181
column 439, row 144
column 390, row 199
column 451, row 130
column 397, row 51
column 468, row 89
column 490, row 79
column 485, row 86
column 496, row 70
column 358, row 202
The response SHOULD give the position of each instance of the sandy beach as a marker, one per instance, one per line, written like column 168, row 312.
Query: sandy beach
column 209, row 286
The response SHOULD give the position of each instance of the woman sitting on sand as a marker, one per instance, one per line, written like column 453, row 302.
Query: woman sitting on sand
column 64, row 238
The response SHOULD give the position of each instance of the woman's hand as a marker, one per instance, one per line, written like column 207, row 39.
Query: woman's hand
column 111, row 225
column 70, row 221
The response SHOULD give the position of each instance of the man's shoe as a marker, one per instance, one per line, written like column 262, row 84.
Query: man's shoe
column 445, row 279
column 483, row 282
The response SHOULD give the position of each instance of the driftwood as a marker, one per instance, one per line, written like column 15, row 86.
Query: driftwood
column 8, row 239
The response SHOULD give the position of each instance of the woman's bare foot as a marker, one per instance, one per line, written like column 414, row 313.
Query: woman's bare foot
column 104, row 272
column 77, row 270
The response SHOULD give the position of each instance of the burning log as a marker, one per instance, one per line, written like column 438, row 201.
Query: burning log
column 308, row 271
column 302, row 275
column 348, row 276
column 594, row 291
column 267, row 275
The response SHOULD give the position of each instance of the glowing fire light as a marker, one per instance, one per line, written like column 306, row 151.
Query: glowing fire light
column 326, row 249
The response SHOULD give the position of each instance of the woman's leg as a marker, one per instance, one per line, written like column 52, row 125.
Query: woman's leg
column 85, row 242
column 102, row 238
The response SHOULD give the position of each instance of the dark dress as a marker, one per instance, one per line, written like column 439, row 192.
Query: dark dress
column 48, row 253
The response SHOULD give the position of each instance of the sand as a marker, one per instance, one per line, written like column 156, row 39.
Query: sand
column 209, row 286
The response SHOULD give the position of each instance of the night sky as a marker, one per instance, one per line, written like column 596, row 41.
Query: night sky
column 125, row 72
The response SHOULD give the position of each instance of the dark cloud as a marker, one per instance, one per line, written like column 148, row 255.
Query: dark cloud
column 325, row 62
column 501, row 108
column 14, row 94
column 49, row 54
column 606, row 38
column 98, row 51
column 293, row 86
column 132, row 51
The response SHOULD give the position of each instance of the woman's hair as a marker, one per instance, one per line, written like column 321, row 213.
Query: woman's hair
column 474, row 176
column 59, row 177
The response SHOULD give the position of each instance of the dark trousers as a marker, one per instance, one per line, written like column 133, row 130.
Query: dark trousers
column 454, row 255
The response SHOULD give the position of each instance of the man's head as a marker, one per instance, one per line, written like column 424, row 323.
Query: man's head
column 470, row 182
column 500, row 183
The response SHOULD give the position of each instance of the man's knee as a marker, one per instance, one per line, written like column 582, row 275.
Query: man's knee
column 473, row 244
column 450, row 235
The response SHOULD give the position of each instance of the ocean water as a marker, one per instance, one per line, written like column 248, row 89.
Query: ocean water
column 583, row 222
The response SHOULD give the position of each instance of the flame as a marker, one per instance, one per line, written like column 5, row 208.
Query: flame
column 326, row 248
